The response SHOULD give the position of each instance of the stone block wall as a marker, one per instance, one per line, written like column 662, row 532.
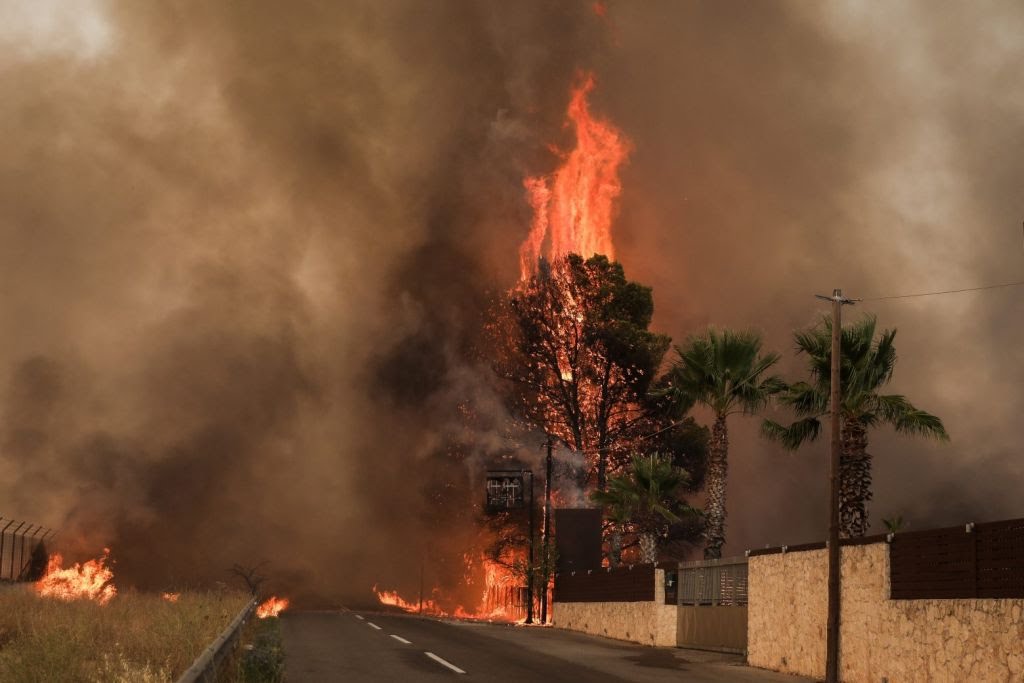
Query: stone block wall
column 880, row 639
column 646, row 622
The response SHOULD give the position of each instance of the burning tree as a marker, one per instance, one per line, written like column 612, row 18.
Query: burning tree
column 575, row 346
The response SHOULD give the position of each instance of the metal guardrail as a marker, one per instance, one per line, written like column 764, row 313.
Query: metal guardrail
column 205, row 667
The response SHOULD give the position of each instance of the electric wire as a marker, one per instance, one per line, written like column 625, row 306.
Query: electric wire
column 945, row 291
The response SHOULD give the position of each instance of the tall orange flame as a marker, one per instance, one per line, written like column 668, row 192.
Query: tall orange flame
column 89, row 581
column 574, row 206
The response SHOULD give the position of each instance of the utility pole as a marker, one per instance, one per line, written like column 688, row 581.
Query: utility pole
column 529, row 566
column 422, row 561
column 547, row 536
column 832, row 629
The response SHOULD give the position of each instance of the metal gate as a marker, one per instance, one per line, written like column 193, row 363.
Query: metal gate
column 712, row 600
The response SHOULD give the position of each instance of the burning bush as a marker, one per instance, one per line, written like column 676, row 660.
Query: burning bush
column 92, row 580
column 271, row 607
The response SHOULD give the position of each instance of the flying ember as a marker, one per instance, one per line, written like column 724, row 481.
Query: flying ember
column 91, row 580
column 573, row 208
column 271, row 607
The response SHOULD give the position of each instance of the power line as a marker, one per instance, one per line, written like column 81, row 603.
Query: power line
column 945, row 291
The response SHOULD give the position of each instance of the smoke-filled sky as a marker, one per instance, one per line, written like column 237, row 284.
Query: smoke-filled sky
column 247, row 249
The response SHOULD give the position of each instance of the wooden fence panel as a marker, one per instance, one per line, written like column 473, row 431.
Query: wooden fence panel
column 973, row 561
column 624, row 584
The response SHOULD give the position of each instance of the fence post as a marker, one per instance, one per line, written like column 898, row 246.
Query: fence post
column 973, row 559
column 13, row 534
column 3, row 536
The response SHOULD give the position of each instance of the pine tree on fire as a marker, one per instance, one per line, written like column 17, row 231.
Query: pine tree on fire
column 866, row 365
column 574, row 342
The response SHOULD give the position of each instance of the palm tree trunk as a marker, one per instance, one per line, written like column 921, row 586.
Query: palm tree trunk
column 615, row 548
column 714, row 507
column 854, row 479
column 648, row 548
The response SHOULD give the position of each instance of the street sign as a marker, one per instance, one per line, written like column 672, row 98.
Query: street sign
column 505, row 490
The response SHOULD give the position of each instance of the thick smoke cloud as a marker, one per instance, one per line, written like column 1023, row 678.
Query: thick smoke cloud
column 248, row 250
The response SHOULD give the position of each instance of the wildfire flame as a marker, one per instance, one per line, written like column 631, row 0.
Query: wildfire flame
column 393, row 599
column 574, row 206
column 171, row 597
column 500, row 583
column 272, row 607
column 89, row 581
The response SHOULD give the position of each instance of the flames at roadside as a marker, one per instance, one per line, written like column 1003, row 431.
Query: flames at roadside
column 502, row 598
column 92, row 580
column 271, row 607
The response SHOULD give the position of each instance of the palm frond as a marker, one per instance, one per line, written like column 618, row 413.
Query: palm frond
column 805, row 399
column 723, row 369
column 793, row 436
column 896, row 410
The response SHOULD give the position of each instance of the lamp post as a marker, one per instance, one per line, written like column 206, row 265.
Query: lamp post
column 547, row 535
column 529, row 567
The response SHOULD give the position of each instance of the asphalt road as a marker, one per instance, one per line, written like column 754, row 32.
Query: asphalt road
column 322, row 647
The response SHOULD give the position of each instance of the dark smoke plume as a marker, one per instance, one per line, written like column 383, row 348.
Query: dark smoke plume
column 248, row 247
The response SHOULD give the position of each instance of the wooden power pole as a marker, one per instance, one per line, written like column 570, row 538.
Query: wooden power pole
column 834, row 557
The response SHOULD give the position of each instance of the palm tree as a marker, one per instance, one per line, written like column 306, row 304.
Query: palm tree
column 643, row 495
column 866, row 365
column 724, row 371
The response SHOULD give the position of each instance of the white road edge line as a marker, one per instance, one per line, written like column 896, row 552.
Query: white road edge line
column 373, row 625
column 359, row 617
column 401, row 639
column 444, row 663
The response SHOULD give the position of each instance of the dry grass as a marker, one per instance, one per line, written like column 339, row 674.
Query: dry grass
column 137, row 638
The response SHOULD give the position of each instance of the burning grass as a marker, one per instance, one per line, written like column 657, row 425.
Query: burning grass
column 135, row 637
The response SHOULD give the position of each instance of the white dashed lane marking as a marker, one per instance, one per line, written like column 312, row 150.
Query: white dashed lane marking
column 444, row 663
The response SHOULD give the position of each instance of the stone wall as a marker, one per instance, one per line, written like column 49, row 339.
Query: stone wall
column 647, row 622
column 880, row 639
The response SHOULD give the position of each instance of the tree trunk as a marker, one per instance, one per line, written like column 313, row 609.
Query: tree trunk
column 714, row 507
column 854, row 480
column 648, row 548
column 615, row 548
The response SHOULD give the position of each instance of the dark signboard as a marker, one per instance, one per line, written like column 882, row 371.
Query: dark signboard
column 577, row 539
column 505, row 490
